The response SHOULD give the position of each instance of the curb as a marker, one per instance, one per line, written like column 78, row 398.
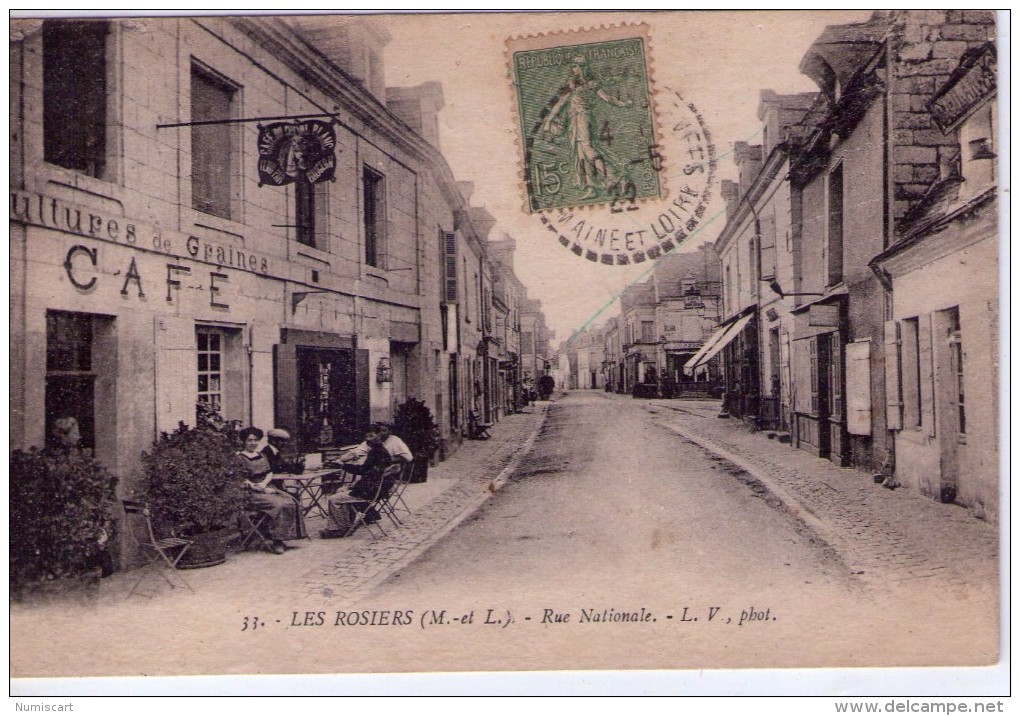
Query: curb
column 495, row 485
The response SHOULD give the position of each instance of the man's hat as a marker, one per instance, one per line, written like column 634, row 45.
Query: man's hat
column 279, row 434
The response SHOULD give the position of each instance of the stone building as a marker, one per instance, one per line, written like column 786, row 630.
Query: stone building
column 154, row 265
column 833, row 236
column 941, row 344
column 507, row 294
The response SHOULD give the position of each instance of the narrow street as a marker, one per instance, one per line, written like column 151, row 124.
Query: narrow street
column 587, row 533
column 613, row 511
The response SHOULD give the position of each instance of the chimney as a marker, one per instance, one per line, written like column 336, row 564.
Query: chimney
column 418, row 107
column 749, row 160
column 731, row 194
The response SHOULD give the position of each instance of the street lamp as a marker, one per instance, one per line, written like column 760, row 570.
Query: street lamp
column 778, row 290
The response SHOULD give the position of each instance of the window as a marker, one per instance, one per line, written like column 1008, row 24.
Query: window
column 527, row 342
column 910, row 350
column 70, row 379
column 74, row 95
column 956, row 369
column 836, row 376
column 311, row 214
column 647, row 331
column 752, row 267
column 213, row 146
column 835, row 234
column 375, row 217
column 210, row 368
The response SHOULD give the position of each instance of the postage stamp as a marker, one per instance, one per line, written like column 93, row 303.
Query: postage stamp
column 586, row 118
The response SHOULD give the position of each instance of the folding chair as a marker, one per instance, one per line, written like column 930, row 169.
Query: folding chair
column 363, row 507
column 164, row 554
column 250, row 522
column 395, row 500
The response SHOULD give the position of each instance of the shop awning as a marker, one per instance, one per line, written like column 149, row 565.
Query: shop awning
column 716, row 342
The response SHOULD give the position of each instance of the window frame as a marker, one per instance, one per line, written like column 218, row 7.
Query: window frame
column 82, row 72
column 203, row 141
column 373, row 219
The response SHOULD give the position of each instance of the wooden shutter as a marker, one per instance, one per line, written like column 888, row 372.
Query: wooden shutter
column 925, row 361
column 893, row 397
column 176, row 372
column 858, row 387
column 362, row 410
column 768, row 248
column 285, row 383
column 450, row 266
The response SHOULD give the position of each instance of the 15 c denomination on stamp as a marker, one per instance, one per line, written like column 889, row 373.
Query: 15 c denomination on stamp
column 586, row 118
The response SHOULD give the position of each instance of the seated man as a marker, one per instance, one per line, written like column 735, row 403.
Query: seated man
column 361, row 494
column 396, row 447
column 282, row 460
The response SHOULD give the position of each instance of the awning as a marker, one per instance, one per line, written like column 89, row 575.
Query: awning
column 716, row 342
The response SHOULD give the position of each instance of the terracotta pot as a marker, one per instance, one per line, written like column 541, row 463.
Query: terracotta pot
column 78, row 588
column 208, row 549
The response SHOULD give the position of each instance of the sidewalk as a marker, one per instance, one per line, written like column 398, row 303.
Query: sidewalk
column 883, row 535
column 340, row 571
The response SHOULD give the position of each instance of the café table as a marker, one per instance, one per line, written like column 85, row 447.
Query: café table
column 309, row 488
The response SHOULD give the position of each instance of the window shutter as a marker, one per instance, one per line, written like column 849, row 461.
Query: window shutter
column 893, row 398
column 285, row 379
column 450, row 266
column 924, row 360
column 176, row 373
column 858, row 387
column 361, row 387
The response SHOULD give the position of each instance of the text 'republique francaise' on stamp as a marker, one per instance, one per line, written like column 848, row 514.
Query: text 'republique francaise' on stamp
column 618, row 170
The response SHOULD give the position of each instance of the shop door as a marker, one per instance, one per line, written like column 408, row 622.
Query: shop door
column 326, row 398
column 824, row 375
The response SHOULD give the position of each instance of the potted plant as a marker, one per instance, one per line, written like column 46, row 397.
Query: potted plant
column 194, row 486
column 414, row 425
column 61, row 522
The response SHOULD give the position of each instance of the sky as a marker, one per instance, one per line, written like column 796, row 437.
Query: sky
column 720, row 60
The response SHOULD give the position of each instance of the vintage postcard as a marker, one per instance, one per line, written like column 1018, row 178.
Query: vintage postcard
column 631, row 342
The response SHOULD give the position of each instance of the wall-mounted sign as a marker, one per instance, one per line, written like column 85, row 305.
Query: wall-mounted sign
column 824, row 316
column 296, row 152
column 972, row 82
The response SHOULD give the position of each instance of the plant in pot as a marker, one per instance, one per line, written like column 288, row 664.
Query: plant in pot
column 414, row 425
column 194, row 486
column 61, row 522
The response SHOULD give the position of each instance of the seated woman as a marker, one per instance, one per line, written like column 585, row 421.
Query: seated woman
column 284, row 515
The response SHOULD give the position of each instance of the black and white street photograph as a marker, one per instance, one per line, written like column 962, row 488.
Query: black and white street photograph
column 625, row 344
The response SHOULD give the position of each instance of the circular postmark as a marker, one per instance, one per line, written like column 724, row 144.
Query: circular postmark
column 629, row 228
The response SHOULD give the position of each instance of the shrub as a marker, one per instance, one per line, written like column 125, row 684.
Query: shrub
column 414, row 425
column 61, row 514
column 193, row 479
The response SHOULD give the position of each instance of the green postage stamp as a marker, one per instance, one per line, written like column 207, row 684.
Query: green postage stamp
column 586, row 119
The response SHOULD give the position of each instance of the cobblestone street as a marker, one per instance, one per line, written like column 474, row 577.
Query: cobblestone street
column 877, row 531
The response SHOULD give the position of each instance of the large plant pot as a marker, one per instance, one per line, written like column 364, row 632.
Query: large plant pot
column 79, row 588
column 421, row 470
column 208, row 549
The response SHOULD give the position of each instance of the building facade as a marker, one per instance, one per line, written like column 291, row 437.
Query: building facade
column 157, row 262
column 942, row 345
column 829, row 258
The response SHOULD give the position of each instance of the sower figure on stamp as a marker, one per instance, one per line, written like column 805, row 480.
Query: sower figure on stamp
column 588, row 162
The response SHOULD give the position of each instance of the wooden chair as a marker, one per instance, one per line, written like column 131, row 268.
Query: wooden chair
column 250, row 523
column 163, row 554
column 395, row 499
column 362, row 507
